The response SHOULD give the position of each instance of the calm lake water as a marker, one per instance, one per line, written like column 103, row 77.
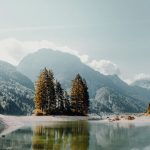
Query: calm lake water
column 78, row 136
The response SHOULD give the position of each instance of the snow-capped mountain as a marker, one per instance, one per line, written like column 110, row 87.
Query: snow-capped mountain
column 109, row 100
column 16, row 91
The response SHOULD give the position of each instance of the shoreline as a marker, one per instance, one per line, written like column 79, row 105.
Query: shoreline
column 12, row 123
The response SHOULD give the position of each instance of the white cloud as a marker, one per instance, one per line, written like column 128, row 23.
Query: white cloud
column 141, row 76
column 105, row 66
column 13, row 50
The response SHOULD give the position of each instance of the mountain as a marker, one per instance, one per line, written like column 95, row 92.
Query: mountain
column 16, row 91
column 133, row 91
column 144, row 83
column 109, row 100
column 66, row 66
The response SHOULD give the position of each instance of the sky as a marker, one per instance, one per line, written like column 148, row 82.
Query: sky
column 111, row 36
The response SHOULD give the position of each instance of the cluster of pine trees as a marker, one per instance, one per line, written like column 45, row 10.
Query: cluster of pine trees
column 52, row 99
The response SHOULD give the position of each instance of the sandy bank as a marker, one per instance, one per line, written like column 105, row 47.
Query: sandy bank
column 23, row 120
column 12, row 123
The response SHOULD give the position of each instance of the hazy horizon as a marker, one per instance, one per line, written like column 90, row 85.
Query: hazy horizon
column 110, row 36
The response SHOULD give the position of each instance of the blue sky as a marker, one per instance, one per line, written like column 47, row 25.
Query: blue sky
column 114, row 31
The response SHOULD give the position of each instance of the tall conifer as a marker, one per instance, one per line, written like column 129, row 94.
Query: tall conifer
column 51, row 93
column 77, row 95
column 45, row 92
column 40, row 92
column 59, row 98
column 86, row 97
column 66, row 103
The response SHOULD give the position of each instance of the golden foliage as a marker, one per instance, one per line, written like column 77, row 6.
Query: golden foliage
column 148, row 111
column 78, row 96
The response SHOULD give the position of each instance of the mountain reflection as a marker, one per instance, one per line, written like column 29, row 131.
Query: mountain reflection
column 64, row 136
column 118, row 137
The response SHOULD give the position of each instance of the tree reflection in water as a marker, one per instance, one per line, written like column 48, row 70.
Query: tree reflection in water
column 63, row 136
column 78, row 136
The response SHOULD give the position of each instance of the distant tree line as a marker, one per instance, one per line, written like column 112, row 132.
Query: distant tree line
column 52, row 99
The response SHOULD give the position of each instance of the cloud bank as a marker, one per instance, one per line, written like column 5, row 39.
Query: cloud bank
column 13, row 50
column 139, row 76
column 105, row 67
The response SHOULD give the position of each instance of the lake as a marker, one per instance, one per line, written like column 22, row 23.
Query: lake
column 81, row 135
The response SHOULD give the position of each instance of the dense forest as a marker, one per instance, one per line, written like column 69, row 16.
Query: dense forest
column 52, row 99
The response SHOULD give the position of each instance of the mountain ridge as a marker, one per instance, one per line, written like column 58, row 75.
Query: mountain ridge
column 16, row 91
column 144, row 83
column 66, row 66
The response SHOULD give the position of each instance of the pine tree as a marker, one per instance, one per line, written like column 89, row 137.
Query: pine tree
column 66, row 103
column 77, row 96
column 45, row 92
column 86, row 98
column 51, row 93
column 40, row 93
column 59, row 98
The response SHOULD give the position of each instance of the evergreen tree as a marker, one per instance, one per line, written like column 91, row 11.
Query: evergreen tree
column 51, row 93
column 77, row 96
column 86, row 97
column 40, row 93
column 66, row 103
column 59, row 98
column 45, row 92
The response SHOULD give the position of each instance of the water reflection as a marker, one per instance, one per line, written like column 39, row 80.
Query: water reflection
column 118, row 137
column 71, row 136
column 78, row 136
